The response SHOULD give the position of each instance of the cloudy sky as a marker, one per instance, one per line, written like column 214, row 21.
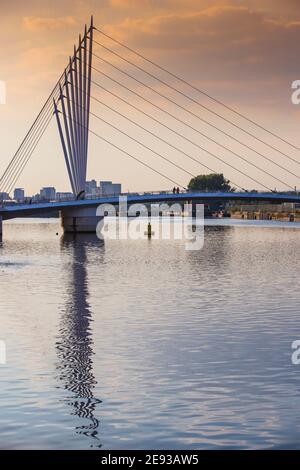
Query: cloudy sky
column 245, row 53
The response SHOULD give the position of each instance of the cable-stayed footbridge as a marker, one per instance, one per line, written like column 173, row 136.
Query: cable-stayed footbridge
column 175, row 128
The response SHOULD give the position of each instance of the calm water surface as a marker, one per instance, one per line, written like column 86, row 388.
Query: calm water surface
column 141, row 344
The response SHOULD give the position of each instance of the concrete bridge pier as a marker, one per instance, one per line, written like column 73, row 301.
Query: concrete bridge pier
column 80, row 220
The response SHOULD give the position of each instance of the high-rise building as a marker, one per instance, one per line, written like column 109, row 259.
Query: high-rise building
column 48, row 193
column 108, row 188
column 64, row 196
column 117, row 189
column 4, row 197
column 91, row 188
column 19, row 194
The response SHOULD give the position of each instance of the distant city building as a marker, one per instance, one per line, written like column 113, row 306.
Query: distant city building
column 48, row 193
column 63, row 196
column 108, row 188
column 4, row 197
column 91, row 188
column 19, row 194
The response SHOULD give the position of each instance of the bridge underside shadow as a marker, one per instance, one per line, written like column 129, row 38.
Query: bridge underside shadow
column 81, row 216
column 83, row 220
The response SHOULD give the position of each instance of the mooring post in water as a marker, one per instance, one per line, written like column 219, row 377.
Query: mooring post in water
column 0, row 228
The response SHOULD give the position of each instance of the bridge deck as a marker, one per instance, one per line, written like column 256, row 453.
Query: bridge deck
column 27, row 210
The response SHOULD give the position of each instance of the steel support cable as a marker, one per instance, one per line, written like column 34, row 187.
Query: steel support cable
column 132, row 156
column 73, row 135
column 44, row 124
column 143, row 145
column 219, row 102
column 202, row 120
column 49, row 99
column 69, row 149
column 167, row 127
column 15, row 162
column 85, row 94
column 29, row 156
column 79, row 131
column 173, row 146
column 31, row 152
column 153, row 151
column 186, row 124
column 183, row 122
column 89, row 84
column 73, row 93
column 18, row 158
column 81, row 117
column 80, row 72
column 22, row 155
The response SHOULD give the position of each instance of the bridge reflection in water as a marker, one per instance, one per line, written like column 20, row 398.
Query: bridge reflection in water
column 74, row 346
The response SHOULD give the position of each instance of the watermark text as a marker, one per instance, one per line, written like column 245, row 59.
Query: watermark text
column 2, row 352
column 2, row 92
column 296, row 94
column 158, row 222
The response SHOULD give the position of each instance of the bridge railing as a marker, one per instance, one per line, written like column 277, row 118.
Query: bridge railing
column 32, row 201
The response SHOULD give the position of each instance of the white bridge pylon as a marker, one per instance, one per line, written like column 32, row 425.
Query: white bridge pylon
column 72, row 110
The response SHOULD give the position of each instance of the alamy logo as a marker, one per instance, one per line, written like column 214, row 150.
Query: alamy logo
column 2, row 353
column 2, row 92
column 296, row 353
column 296, row 93
column 159, row 222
